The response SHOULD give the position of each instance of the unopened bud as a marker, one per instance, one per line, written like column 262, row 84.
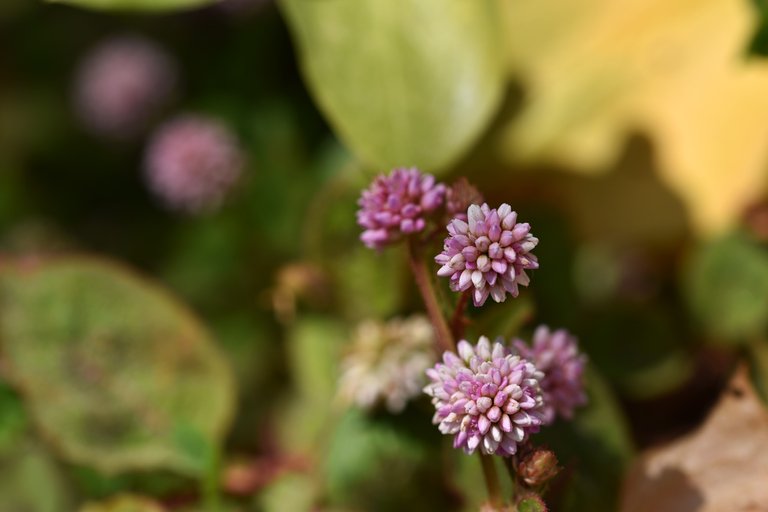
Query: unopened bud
column 538, row 467
column 531, row 503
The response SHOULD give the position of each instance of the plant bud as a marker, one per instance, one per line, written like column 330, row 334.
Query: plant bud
column 538, row 467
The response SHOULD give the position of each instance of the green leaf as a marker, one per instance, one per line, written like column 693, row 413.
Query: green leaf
column 124, row 503
column 136, row 5
column 31, row 480
column 314, row 349
column 111, row 368
column 412, row 82
column 292, row 491
column 359, row 271
column 13, row 418
column 727, row 287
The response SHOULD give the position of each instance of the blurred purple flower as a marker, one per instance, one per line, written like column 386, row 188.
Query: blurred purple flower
column 486, row 397
column 557, row 355
column 121, row 84
column 397, row 205
column 490, row 252
column 192, row 162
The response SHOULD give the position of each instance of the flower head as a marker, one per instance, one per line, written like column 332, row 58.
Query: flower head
column 192, row 162
column 387, row 363
column 490, row 253
column 121, row 84
column 557, row 355
column 397, row 205
column 486, row 397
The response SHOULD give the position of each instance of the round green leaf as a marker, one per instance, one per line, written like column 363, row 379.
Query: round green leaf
column 115, row 373
column 411, row 82
column 136, row 5
column 727, row 287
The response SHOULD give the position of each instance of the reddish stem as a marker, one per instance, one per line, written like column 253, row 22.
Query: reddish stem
column 443, row 336
column 458, row 321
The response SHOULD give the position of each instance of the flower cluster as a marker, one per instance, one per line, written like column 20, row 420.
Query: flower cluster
column 557, row 355
column 192, row 162
column 489, row 253
column 397, row 205
column 490, row 397
column 486, row 397
column 121, row 84
column 387, row 363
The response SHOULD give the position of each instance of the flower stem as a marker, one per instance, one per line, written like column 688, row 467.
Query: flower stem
column 443, row 335
column 491, row 479
column 511, row 464
column 458, row 320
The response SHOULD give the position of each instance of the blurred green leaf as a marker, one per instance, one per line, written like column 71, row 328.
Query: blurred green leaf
column 314, row 348
column 196, row 447
column 292, row 491
column 385, row 463
column 136, row 5
column 97, row 486
column 13, row 418
column 111, row 367
column 359, row 272
column 31, row 481
column 124, row 503
column 404, row 83
column 595, row 449
column 727, row 287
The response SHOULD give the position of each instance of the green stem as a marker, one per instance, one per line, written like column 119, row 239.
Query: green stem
column 511, row 464
column 491, row 479
column 210, row 485
column 443, row 336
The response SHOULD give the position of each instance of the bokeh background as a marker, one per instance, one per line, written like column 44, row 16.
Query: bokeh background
column 175, row 302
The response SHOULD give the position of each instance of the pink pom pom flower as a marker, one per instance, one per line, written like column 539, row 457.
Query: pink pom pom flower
column 397, row 205
column 486, row 397
column 192, row 162
column 121, row 84
column 557, row 355
column 490, row 253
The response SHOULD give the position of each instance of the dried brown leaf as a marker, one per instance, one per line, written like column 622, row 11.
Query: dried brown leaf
column 723, row 466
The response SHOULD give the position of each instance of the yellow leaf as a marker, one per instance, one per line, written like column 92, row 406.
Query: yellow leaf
column 597, row 70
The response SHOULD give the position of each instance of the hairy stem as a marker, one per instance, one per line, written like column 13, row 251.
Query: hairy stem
column 443, row 335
